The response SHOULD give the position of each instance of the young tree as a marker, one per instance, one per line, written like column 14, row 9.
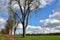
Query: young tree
column 11, row 22
column 14, row 18
column 9, row 25
column 25, row 6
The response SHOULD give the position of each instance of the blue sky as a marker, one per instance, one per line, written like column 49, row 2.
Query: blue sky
column 34, row 19
column 42, row 14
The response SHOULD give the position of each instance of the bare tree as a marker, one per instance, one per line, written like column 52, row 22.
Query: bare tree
column 14, row 22
column 11, row 22
column 25, row 6
column 9, row 25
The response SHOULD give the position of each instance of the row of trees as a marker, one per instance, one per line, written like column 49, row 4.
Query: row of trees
column 25, row 7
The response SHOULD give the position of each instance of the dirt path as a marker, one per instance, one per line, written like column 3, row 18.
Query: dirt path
column 6, row 37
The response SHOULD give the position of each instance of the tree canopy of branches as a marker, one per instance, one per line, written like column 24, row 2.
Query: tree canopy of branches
column 11, row 23
column 25, row 6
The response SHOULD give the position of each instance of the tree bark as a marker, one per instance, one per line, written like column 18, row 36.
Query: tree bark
column 24, row 29
column 14, row 31
column 11, row 31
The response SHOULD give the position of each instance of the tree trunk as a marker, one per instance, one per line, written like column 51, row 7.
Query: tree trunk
column 11, row 31
column 24, row 29
column 14, row 31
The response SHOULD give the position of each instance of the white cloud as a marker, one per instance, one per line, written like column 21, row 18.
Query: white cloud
column 45, row 2
column 31, row 29
column 1, row 27
column 52, row 21
column 3, row 5
column 50, row 30
column 2, row 20
column 20, row 26
column 14, row 5
column 35, row 29
column 2, row 23
column 38, row 29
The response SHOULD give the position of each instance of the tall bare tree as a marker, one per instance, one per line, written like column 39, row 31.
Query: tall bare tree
column 25, row 6
column 9, row 25
column 12, row 22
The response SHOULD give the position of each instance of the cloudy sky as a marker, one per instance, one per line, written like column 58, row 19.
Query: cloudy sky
column 47, row 19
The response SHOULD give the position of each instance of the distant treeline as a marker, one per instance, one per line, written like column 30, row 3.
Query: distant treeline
column 42, row 34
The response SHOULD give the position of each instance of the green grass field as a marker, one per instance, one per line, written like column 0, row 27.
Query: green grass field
column 37, row 37
column 0, row 37
column 40, row 38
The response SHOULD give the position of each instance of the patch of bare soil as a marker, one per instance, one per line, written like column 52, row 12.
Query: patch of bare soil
column 7, row 37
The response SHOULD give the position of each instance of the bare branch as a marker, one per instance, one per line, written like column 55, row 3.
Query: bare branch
column 16, row 14
column 20, row 7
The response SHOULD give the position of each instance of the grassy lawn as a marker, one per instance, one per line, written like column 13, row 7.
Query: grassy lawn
column 40, row 38
column 37, row 37
column 0, row 37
